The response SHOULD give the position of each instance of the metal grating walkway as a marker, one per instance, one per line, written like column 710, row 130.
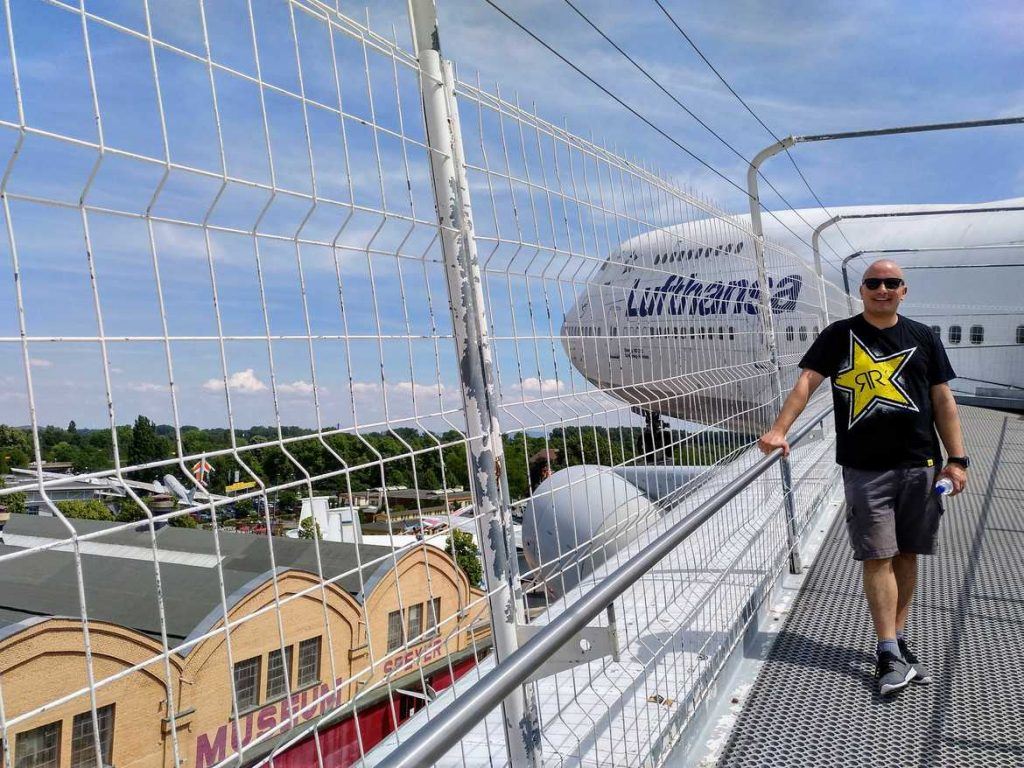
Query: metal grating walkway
column 814, row 703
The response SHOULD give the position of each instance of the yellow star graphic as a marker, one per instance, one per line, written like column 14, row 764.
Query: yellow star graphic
column 871, row 380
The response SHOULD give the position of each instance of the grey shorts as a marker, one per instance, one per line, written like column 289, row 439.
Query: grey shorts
column 892, row 511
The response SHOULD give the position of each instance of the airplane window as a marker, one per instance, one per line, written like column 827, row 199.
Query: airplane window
column 691, row 331
column 977, row 334
column 657, row 259
column 937, row 330
column 721, row 332
column 689, row 254
column 789, row 333
column 803, row 333
column 739, row 247
column 1020, row 334
column 954, row 334
column 732, row 333
column 728, row 248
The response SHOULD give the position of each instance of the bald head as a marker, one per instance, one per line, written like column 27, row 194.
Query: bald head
column 880, row 300
column 884, row 268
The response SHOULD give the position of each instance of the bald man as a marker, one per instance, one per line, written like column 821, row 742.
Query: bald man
column 889, row 383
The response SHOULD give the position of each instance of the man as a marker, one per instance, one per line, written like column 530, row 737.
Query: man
column 889, row 384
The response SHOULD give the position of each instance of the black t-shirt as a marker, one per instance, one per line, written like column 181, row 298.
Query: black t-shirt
column 881, row 382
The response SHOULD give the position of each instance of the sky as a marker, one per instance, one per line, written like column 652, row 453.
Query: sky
column 804, row 67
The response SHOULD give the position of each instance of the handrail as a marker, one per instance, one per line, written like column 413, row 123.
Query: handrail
column 428, row 745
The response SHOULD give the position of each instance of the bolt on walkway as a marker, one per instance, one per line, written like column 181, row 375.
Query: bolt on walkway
column 815, row 702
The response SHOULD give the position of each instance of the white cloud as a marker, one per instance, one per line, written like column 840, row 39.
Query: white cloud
column 38, row 362
column 534, row 387
column 144, row 386
column 244, row 382
column 298, row 387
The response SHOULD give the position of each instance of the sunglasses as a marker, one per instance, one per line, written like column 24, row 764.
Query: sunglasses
column 874, row 283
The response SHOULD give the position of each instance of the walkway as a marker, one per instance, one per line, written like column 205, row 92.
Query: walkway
column 814, row 703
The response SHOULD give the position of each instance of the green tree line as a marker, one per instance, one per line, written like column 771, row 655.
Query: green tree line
column 406, row 457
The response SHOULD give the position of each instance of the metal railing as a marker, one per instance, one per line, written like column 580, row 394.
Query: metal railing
column 428, row 745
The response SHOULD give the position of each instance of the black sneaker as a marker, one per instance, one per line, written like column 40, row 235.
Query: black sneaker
column 921, row 673
column 893, row 673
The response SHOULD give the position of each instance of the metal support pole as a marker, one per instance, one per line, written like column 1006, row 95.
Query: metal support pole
column 816, row 248
column 846, row 278
column 768, row 327
column 465, row 293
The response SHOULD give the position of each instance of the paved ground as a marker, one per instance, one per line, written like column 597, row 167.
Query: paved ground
column 815, row 704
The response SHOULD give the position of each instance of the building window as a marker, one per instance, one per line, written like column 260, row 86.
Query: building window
column 977, row 334
column 83, row 745
column 1020, row 334
column 803, row 333
column 815, row 332
column 247, row 683
column 309, row 662
column 394, row 630
column 276, row 679
column 415, row 620
column 954, row 334
column 721, row 333
column 38, row 748
column 937, row 330
column 433, row 616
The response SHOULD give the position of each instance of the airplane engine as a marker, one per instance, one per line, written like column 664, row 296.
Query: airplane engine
column 581, row 515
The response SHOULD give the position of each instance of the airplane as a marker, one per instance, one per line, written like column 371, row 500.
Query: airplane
column 670, row 322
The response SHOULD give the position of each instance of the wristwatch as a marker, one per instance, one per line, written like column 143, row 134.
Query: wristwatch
column 963, row 461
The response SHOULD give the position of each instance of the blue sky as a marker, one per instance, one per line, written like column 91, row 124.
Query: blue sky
column 804, row 67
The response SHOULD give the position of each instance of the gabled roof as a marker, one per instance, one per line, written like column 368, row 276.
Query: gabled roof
column 120, row 578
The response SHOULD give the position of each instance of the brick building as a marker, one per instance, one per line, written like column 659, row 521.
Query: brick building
column 351, row 646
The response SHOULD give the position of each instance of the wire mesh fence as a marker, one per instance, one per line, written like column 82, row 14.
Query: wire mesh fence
column 331, row 447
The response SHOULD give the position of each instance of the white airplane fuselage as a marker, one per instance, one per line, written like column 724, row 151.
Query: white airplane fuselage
column 671, row 322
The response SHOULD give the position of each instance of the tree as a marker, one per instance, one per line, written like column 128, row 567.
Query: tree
column 72, row 428
column 127, row 511
column 288, row 502
column 85, row 510
column 310, row 529
column 184, row 521
column 146, row 445
column 15, row 503
column 15, row 447
column 466, row 555
column 244, row 508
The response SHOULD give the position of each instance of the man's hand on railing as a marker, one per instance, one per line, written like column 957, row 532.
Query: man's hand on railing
column 771, row 440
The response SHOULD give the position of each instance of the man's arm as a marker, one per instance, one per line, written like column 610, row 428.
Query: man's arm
column 947, row 421
column 791, row 409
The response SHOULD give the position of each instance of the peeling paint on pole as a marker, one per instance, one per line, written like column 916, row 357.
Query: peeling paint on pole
column 476, row 372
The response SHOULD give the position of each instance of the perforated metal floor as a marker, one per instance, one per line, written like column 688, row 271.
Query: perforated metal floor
column 814, row 703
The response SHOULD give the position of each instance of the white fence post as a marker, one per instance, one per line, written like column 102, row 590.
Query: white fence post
column 476, row 372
